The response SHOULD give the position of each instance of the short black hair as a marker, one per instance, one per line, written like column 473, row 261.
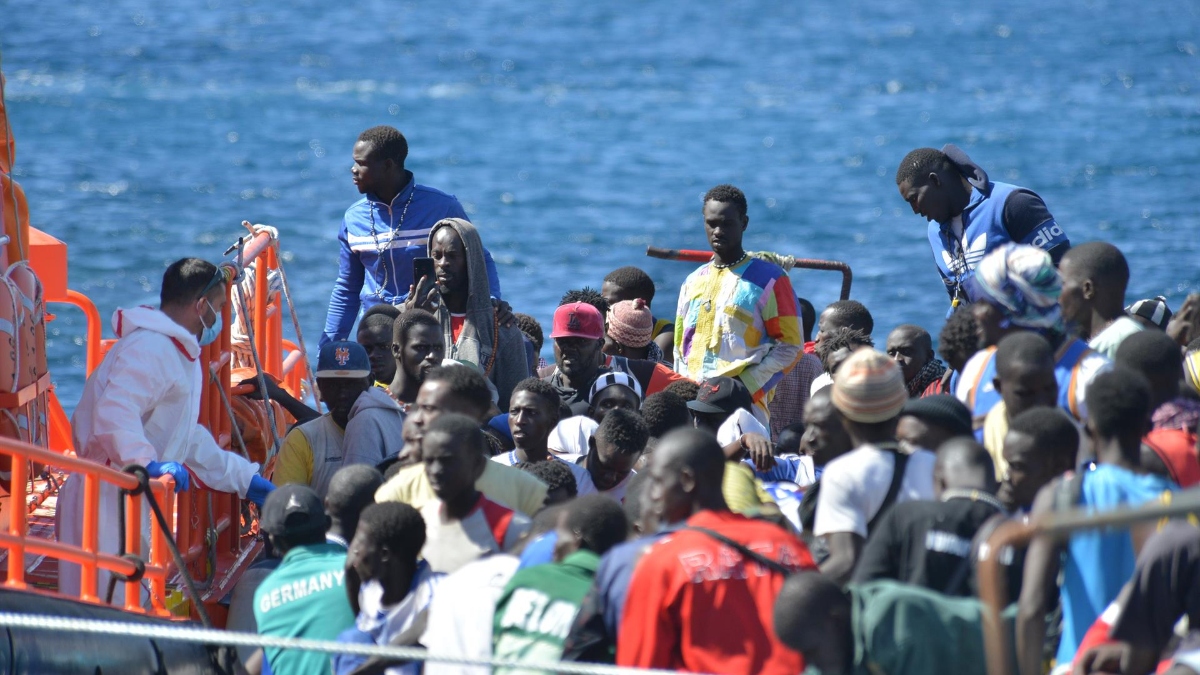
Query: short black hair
column 554, row 473
column 1150, row 352
column 388, row 142
column 1022, row 348
column 807, row 599
column 460, row 427
column 1118, row 402
column 381, row 315
column 633, row 279
column 465, row 383
column 531, row 328
column 958, row 340
column 396, row 525
column 405, row 323
column 919, row 163
column 853, row 314
column 626, row 430
column 684, row 389
column 842, row 338
column 1101, row 262
column 588, row 295
column 1051, row 430
column 789, row 439
column 727, row 194
column 1193, row 346
column 808, row 317
column 664, row 411
column 382, row 308
column 185, row 280
column 351, row 490
column 541, row 389
column 599, row 521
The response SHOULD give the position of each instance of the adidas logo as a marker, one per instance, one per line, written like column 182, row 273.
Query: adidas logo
column 959, row 262
column 1047, row 235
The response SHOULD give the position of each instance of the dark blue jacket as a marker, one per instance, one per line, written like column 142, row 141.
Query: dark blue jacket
column 374, row 266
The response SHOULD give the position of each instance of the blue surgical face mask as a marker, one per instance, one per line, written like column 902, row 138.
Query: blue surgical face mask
column 210, row 333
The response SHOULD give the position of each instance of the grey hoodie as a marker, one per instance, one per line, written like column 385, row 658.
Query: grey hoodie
column 509, row 365
column 374, row 431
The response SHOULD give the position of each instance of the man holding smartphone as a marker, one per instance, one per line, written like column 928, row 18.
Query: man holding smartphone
column 384, row 231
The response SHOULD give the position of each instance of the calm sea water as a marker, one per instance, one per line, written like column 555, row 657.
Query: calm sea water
column 575, row 134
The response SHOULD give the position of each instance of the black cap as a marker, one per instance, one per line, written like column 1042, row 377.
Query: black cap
column 941, row 410
column 721, row 395
column 292, row 510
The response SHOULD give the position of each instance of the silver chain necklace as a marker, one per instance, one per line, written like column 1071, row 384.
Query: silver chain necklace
column 380, row 248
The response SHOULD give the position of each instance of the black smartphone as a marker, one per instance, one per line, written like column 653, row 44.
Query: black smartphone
column 423, row 267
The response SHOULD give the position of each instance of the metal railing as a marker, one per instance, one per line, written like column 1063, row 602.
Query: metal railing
column 993, row 588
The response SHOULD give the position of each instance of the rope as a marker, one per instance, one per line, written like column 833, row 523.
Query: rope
column 287, row 293
column 143, row 477
column 262, row 378
column 233, row 423
column 223, row 638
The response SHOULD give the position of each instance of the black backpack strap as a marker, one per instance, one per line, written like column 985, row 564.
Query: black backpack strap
column 898, row 469
column 808, row 506
column 773, row 565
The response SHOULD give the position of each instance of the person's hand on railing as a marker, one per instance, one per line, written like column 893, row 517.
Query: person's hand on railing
column 177, row 471
column 259, row 489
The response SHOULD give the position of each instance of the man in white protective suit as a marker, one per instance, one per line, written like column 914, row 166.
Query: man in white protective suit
column 141, row 406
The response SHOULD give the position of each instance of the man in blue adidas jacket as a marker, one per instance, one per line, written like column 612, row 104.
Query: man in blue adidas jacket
column 970, row 215
column 384, row 231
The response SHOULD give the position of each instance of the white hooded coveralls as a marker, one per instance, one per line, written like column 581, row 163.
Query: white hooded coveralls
column 141, row 405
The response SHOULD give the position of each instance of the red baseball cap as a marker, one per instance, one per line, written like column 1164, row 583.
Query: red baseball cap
column 577, row 319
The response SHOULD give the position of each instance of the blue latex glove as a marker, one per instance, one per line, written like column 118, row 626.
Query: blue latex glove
column 178, row 471
column 259, row 489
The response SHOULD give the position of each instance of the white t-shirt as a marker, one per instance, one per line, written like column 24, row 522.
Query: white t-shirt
column 854, row 486
column 738, row 424
column 820, row 382
column 462, row 611
column 583, row 479
column 1107, row 340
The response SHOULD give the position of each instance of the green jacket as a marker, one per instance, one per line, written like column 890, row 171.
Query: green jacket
column 899, row 629
column 304, row 597
column 538, row 606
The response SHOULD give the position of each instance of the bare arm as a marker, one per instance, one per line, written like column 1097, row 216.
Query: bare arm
column 1042, row 562
column 844, row 549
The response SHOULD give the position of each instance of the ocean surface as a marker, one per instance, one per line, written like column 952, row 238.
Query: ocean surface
column 576, row 134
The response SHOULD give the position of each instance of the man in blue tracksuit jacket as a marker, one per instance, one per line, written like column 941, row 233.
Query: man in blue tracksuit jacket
column 384, row 231
column 970, row 215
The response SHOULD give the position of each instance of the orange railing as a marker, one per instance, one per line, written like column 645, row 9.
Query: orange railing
column 209, row 526
column 17, row 540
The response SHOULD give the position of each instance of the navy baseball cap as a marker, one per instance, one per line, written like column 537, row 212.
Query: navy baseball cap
column 721, row 395
column 343, row 359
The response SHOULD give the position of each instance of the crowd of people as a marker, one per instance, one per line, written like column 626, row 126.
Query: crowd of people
column 742, row 485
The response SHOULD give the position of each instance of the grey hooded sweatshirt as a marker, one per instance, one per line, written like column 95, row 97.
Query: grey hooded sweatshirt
column 508, row 365
column 374, row 431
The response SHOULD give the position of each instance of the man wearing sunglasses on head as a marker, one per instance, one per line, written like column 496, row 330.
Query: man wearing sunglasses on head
column 141, row 404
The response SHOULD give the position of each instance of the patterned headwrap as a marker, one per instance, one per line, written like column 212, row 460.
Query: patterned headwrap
column 1191, row 370
column 1021, row 282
